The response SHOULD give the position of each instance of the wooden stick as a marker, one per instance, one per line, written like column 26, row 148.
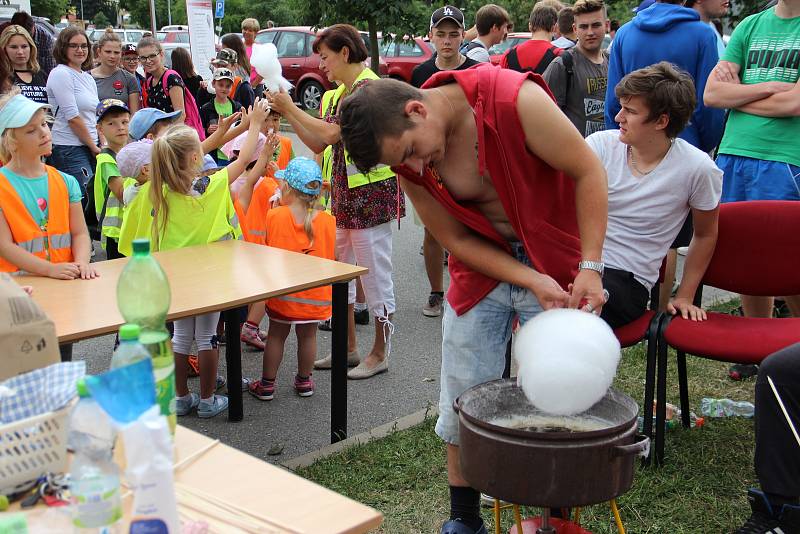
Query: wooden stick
column 234, row 507
column 783, row 409
column 194, row 455
column 222, row 519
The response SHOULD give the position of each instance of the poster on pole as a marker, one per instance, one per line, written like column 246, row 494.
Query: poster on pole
column 200, row 16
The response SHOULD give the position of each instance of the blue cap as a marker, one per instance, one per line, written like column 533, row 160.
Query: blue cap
column 18, row 112
column 300, row 173
column 145, row 118
column 106, row 105
column 644, row 5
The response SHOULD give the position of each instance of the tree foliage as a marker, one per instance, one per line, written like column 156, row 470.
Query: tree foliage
column 52, row 9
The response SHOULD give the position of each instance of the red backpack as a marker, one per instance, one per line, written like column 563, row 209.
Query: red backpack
column 189, row 104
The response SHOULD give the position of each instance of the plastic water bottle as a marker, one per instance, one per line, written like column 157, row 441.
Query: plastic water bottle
column 726, row 408
column 130, row 350
column 94, row 477
column 143, row 298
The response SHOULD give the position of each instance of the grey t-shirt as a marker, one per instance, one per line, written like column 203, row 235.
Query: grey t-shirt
column 585, row 103
column 119, row 85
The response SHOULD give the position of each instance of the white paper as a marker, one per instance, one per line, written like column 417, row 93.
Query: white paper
column 200, row 16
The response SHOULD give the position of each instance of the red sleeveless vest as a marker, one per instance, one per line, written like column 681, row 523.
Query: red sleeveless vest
column 538, row 200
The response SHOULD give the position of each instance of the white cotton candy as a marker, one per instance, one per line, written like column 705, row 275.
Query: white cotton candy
column 265, row 60
column 567, row 360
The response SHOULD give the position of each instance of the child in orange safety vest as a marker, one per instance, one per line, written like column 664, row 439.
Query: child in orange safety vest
column 299, row 225
column 42, row 228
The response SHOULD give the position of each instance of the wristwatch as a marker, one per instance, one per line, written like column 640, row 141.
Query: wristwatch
column 597, row 266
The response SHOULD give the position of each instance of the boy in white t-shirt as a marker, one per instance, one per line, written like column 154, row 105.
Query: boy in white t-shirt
column 654, row 180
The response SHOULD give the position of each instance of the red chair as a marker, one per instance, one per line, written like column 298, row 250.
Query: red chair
column 757, row 253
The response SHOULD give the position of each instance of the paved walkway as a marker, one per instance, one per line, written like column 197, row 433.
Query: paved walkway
column 300, row 425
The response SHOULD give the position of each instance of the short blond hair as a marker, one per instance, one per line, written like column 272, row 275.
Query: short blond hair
column 582, row 7
column 251, row 24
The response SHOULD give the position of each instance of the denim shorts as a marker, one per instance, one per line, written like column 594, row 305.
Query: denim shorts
column 758, row 179
column 474, row 344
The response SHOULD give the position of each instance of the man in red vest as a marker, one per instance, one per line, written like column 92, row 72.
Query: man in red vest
column 484, row 155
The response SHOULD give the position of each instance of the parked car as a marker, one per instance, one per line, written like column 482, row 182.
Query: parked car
column 403, row 55
column 128, row 36
column 496, row 52
column 300, row 64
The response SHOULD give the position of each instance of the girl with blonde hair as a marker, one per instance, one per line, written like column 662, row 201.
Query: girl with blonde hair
column 18, row 58
column 112, row 80
column 180, row 208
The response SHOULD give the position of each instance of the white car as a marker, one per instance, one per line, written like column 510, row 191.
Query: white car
column 128, row 36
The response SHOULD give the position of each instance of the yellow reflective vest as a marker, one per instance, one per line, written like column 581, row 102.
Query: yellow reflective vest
column 112, row 218
column 192, row 220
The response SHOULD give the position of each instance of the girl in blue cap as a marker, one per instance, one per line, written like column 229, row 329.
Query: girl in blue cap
column 300, row 224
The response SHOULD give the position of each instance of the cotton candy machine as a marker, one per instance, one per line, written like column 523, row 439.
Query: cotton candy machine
column 514, row 452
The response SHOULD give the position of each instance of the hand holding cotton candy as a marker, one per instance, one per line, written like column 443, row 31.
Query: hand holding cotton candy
column 265, row 60
column 567, row 360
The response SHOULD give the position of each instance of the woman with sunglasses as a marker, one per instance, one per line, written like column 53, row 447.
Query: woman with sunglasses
column 72, row 94
column 18, row 56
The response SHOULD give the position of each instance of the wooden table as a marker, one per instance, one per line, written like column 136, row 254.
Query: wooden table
column 208, row 278
column 256, row 486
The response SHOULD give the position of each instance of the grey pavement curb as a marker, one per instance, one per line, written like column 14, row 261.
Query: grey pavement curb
column 376, row 433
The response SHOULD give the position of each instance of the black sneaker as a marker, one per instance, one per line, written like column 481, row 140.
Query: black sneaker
column 362, row 317
column 762, row 520
column 325, row 326
column 741, row 371
column 790, row 519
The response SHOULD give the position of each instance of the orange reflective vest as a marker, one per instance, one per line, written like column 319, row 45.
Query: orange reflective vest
column 52, row 241
column 254, row 220
column 283, row 232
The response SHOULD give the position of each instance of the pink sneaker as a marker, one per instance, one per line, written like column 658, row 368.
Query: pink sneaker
column 251, row 336
column 262, row 390
column 303, row 386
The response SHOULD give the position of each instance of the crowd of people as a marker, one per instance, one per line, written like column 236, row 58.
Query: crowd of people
column 565, row 177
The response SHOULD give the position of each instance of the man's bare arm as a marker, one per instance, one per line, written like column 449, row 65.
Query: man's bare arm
column 783, row 104
column 724, row 90
column 553, row 138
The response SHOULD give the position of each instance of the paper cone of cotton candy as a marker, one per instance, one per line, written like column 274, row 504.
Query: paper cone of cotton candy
column 265, row 60
column 567, row 360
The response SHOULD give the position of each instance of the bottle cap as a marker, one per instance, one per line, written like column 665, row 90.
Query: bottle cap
column 141, row 246
column 129, row 332
column 83, row 391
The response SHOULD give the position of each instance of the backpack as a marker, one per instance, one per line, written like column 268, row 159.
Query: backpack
column 472, row 45
column 514, row 64
column 568, row 61
column 189, row 104
column 94, row 223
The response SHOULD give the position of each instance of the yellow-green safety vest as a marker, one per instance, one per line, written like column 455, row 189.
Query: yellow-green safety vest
column 330, row 102
column 192, row 220
column 112, row 219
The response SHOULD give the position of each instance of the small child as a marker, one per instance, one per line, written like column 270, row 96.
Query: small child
column 42, row 229
column 113, row 118
column 298, row 225
column 221, row 106
column 178, row 208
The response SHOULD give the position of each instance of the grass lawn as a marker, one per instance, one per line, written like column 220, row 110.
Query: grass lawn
column 701, row 489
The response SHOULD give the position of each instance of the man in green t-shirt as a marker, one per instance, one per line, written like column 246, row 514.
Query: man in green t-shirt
column 221, row 106
column 757, row 78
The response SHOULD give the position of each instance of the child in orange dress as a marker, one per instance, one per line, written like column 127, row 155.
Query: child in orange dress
column 299, row 225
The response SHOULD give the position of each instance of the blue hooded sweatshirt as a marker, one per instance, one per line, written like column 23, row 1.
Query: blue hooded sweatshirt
column 669, row 32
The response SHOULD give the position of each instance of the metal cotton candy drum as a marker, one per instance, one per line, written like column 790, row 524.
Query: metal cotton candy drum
column 514, row 452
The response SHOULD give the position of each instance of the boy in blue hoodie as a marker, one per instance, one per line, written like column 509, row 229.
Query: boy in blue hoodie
column 669, row 32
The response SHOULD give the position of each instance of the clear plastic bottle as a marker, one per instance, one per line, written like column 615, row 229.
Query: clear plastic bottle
column 94, row 477
column 726, row 408
column 143, row 298
column 130, row 350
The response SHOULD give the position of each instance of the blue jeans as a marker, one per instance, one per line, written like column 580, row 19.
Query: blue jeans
column 474, row 344
column 75, row 160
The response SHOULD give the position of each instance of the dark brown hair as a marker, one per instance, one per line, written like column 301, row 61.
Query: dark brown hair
column 375, row 111
column 566, row 18
column 582, row 7
column 666, row 89
column 62, row 45
column 235, row 43
column 489, row 16
column 182, row 63
column 340, row 36
column 543, row 17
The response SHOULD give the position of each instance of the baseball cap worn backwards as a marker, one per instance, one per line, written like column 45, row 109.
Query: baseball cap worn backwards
column 145, row 118
column 18, row 112
column 226, row 55
column 447, row 13
column 300, row 173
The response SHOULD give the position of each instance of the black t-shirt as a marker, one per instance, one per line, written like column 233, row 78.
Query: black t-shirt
column 193, row 85
column 36, row 90
column 157, row 97
column 425, row 70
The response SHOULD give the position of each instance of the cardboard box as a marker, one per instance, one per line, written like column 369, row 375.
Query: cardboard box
column 27, row 337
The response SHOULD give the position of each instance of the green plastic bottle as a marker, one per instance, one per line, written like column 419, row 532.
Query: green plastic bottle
column 143, row 298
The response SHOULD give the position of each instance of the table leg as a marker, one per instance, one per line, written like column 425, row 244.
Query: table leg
column 339, row 363
column 233, row 362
